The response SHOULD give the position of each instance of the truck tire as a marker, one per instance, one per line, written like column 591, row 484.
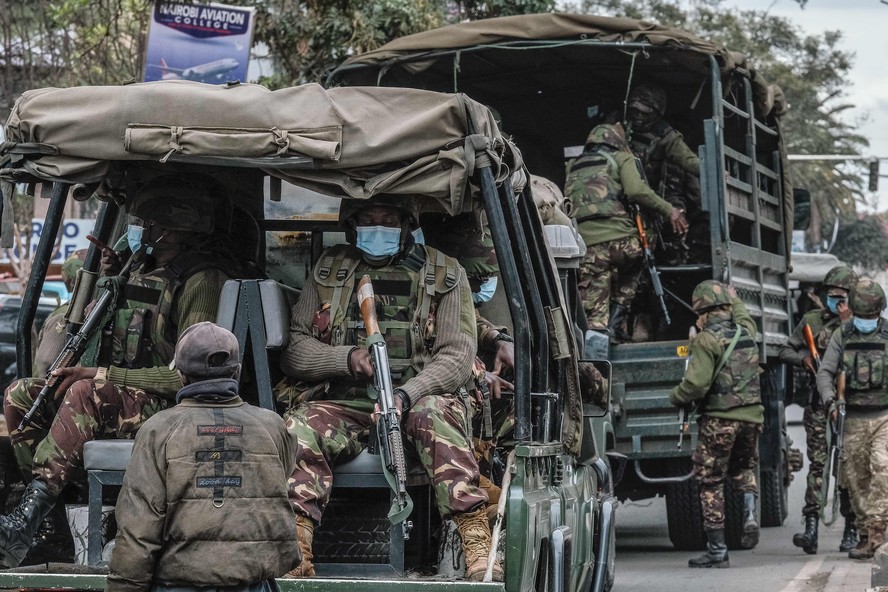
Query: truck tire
column 774, row 496
column 684, row 516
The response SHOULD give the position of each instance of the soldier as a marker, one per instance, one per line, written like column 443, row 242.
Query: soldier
column 428, row 322
column 51, row 338
column 723, row 378
column 837, row 284
column 602, row 184
column 123, row 377
column 857, row 349
column 178, row 528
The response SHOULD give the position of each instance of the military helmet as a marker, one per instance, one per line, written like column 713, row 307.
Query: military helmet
column 840, row 276
column 648, row 97
column 607, row 134
column 867, row 298
column 463, row 238
column 177, row 202
column 348, row 208
column 709, row 294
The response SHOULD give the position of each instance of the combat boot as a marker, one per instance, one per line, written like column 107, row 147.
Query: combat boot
column 808, row 540
column 53, row 542
column 750, row 537
column 862, row 547
column 305, row 535
column 716, row 554
column 617, row 324
column 474, row 530
column 876, row 539
column 17, row 529
column 849, row 536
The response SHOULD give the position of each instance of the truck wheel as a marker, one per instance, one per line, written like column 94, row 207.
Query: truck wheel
column 684, row 516
column 774, row 496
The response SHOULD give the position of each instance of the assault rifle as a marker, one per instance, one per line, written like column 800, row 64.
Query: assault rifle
column 684, row 412
column 836, row 456
column 812, row 347
column 651, row 265
column 76, row 344
column 388, row 421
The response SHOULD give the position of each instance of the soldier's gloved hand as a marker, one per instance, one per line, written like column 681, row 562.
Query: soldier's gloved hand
column 70, row 376
column 678, row 221
column 360, row 364
column 808, row 364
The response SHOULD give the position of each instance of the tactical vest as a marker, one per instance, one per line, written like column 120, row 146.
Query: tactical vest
column 864, row 360
column 593, row 186
column 141, row 333
column 737, row 383
column 664, row 177
column 407, row 296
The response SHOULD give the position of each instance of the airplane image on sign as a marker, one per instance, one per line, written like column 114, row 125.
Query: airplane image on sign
column 212, row 72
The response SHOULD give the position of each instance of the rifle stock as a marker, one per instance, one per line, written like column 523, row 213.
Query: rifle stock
column 651, row 264
column 812, row 347
column 388, row 422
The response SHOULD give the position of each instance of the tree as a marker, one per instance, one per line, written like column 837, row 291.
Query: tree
column 864, row 242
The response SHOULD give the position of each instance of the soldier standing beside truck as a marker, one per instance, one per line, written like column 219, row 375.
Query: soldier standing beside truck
column 822, row 322
column 722, row 377
column 858, row 349
column 602, row 183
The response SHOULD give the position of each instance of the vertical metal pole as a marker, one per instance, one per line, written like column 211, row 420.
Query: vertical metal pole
column 28, row 311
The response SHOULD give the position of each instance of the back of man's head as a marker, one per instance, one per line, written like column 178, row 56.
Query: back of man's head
column 206, row 351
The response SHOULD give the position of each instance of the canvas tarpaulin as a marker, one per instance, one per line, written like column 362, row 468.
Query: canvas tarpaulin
column 352, row 142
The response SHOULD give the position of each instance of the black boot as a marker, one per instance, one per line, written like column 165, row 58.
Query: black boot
column 53, row 542
column 716, row 554
column 850, row 537
column 808, row 540
column 617, row 324
column 17, row 529
column 750, row 537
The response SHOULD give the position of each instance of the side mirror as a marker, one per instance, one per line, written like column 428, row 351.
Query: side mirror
column 595, row 385
column 801, row 212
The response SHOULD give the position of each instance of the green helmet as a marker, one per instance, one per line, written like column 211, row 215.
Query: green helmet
column 840, row 276
column 867, row 298
column 709, row 294
column 648, row 97
column 463, row 238
column 179, row 203
column 607, row 134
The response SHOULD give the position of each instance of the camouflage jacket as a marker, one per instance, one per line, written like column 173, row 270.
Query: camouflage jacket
column 671, row 167
column 822, row 323
column 863, row 358
column 181, row 523
column 700, row 380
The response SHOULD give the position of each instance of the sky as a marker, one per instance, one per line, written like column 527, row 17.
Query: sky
column 864, row 24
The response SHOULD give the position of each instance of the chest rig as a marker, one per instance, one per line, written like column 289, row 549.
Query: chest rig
column 737, row 382
column 593, row 186
column 664, row 177
column 864, row 361
column 407, row 295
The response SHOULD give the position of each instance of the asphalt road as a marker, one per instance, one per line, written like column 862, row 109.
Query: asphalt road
column 646, row 561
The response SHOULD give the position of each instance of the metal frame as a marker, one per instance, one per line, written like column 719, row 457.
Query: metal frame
column 98, row 479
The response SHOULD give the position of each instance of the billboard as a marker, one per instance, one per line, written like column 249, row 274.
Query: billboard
column 200, row 42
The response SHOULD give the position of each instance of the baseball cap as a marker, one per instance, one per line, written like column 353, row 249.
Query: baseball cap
column 206, row 350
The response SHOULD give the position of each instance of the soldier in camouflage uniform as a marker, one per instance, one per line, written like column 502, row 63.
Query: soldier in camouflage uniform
column 722, row 378
column 858, row 349
column 837, row 284
column 602, row 184
column 124, row 376
column 426, row 316
column 52, row 335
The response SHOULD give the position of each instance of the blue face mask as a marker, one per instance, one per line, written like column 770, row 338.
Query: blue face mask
column 418, row 237
column 134, row 237
column 488, row 287
column 866, row 325
column 379, row 241
column 832, row 303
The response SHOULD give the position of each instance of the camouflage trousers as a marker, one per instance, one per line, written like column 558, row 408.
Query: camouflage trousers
column 725, row 448
column 609, row 273
column 503, row 423
column 88, row 411
column 866, row 466
column 334, row 432
column 815, row 424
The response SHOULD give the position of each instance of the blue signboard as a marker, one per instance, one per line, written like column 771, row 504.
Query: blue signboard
column 200, row 42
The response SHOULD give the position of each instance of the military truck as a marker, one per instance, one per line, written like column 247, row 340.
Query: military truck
column 551, row 77
column 285, row 159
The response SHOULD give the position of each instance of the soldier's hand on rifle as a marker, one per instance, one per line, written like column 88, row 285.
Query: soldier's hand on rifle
column 360, row 363
column 497, row 385
column 808, row 364
column 70, row 376
column 678, row 221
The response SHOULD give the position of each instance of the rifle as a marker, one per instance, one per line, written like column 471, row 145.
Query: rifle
column 684, row 412
column 388, row 422
column 836, row 455
column 651, row 265
column 812, row 347
column 76, row 344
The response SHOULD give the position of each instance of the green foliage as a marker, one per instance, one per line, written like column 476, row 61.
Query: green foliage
column 864, row 242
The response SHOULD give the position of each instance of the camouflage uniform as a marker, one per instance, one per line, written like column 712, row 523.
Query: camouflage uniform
column 601, row 184
column 725, row 386
column 52, row 335
column 861, row 356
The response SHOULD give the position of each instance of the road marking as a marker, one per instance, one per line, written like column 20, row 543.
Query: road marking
column 800, row 582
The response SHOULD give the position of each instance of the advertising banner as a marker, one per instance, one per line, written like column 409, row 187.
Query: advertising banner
column 200, row 42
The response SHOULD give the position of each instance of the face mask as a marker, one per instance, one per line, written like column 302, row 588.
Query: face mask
column 134, row 237
column 379, row 241
column 832, row 303
column 866, row 325
column 488, row 287
column 418, row 237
